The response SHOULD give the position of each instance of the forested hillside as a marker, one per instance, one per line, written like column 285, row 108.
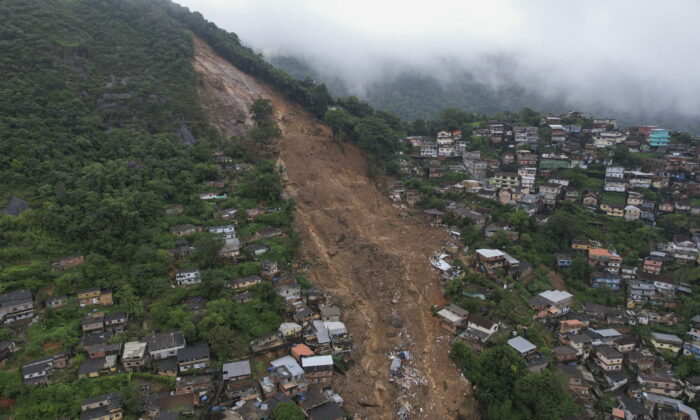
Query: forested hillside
column 100, row 133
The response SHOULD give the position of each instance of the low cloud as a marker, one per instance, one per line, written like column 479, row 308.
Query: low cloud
column 635, row 56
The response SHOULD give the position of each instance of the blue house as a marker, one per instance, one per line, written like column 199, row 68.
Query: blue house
column 607, row 280
column 659, row 137
column 563, row 260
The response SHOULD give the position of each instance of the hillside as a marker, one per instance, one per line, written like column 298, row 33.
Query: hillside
column 370, row 259
column 117, row 133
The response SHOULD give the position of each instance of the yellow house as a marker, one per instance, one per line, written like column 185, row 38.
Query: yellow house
column 613, row 210
column 95, row 296
column 669, row 342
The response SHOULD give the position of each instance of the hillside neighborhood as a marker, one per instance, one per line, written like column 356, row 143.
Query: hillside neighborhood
column 589, row 233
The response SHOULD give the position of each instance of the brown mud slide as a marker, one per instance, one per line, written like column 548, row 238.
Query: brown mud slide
column 373, row 262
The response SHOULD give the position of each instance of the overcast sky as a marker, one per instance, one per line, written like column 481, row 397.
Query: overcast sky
column 626, row 53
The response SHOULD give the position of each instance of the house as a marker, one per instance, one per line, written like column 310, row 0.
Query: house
column 328, row 411
column 661, row 383
column 483, row 324
column 134, row 355
column 188, row 277
column 94, row 368
column 477, row 219
column 194, row 357
column 666, row 207
column 625, row 344
column 71, row 261
column 659, row 137
column 245, row 282
column 239, row 380
column 563, row 260
column 101, row 407
column 522, row 346
column 616, row 379
column 36, row 372
column 16, row 306
column 95, row 296
column 571, row 326
column 329, row 313
column 494, row 228
column 669, row 342
column 490, row 259
column 654, row 262
column 452, row 318
column 7, row 349
column 551, row 303
column 290, row 329
column 640, row 360
column 164, row 345
column 56, row 302
column 564, row 354
column 92, row 323
column 632, row 213
column 631, row 409
column 104, row 350
column 608, row 358
column 504, row 180
column 581, row 245
column 271, row 341
column 590, row 200
column 318, row 369
column 184, row 230
column 606, row 280
column 613, row 184
column 691, row 388
column 613, row 210
column 669, row 407
column 166, row 367
column 193, row 383
column 600, row 257
column 579, row 381
column 288, row 376
column 695, row 328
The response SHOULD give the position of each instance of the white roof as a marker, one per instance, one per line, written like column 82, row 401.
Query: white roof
column 321, row 332
column 521, row 345
column 289, row 326
column 234, row 369
column 290, row 363
column 134, row 349
column 608, row 332
column 317, row 361
column 489, row 253
column 336, row 327
column 556, row 127
column 449, row 315
column 555, row 296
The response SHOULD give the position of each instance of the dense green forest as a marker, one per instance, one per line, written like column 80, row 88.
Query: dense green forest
column 99, row 133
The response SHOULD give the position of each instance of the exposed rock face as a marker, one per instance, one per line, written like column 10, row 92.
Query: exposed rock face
column 16, row 206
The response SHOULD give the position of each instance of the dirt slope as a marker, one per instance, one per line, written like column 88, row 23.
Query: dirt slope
column 372, row 261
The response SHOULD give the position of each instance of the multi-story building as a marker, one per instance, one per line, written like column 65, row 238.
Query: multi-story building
column 527, row 176
column 661, row 383
column 659, row 137
column 16, row 306
column 608, row 358
column 504, row 180
column 188, row 277
column 654, row 262
column 608, row 259
column 606, row 280
column 429, row 149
